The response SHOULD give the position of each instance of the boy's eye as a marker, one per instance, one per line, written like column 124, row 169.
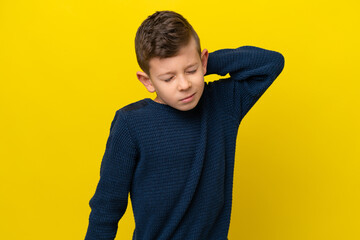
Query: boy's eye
column 168, row 80
column 193, row 71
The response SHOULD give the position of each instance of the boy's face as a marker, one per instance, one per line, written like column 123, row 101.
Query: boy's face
column 178, row 81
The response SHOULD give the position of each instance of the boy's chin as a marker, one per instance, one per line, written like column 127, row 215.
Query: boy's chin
column 186, row 107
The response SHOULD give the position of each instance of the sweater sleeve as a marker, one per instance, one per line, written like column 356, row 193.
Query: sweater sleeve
column 252, row 70
column 111, row 196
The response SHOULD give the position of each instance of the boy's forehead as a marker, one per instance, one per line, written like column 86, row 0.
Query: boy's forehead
column 187, row 56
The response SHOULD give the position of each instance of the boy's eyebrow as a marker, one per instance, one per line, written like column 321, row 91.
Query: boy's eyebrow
column 189, row 66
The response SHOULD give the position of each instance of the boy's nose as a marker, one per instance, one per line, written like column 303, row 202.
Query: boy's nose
column 183, row 84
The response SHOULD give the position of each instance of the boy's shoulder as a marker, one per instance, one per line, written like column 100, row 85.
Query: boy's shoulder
column 134, row 106
column 128, row 113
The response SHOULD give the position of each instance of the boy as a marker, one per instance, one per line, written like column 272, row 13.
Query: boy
column 175, row 154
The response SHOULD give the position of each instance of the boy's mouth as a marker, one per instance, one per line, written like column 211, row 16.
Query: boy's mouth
column 188, row 98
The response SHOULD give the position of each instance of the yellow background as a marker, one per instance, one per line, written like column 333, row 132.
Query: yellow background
column 67, row 66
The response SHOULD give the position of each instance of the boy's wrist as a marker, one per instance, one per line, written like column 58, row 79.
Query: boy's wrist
column 211, row 64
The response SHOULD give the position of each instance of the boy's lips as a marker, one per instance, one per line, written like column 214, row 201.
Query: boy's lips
column 188, row 98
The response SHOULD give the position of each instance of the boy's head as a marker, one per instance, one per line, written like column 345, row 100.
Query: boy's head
column 168, row 51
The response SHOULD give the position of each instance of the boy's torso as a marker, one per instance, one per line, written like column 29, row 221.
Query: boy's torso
column 184, row 170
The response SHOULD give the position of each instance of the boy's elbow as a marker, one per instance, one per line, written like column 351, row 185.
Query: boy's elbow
column 279, row 62
column 282, row 62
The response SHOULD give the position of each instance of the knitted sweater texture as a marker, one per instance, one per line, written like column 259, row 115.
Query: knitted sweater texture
column 176, row 165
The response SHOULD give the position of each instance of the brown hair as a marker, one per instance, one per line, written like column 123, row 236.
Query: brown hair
column 162, row 35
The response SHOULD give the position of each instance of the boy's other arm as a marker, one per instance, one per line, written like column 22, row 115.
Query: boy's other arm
column 253, row 70
column 110, row 200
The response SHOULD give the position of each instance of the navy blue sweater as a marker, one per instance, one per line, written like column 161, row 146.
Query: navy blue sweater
column 178, row 165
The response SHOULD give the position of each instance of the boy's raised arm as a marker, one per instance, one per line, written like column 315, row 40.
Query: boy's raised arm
column 253, row 70
column 111, row 197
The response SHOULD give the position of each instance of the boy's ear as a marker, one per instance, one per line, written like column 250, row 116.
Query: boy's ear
column 145, row 79
column 204, row 59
